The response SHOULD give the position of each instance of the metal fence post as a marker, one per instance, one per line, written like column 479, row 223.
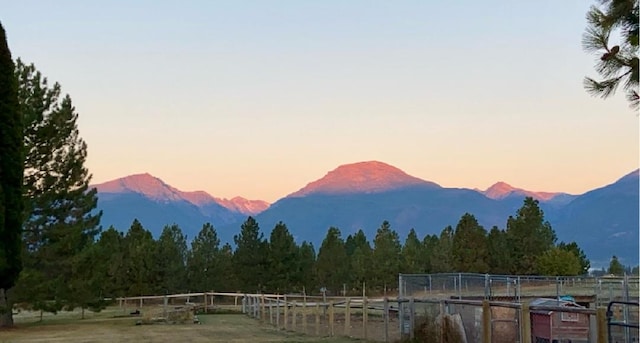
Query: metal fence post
column 386, row 319
column 486, row 286
column 412, row 318
column 401, row 305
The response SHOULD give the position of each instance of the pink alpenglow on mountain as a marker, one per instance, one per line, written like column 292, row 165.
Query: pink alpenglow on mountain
column 242, row 205
column 501, row 190
column 157, row 190
column 145, row 184
column 362, row 177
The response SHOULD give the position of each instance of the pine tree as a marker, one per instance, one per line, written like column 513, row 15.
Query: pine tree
column 307, row 256
column 283, row 261
column 386, row 257
column 442, row 258
column 413, row 255
column 430, row 246
column 139, row 266
column 11, row 174
column 332, row 267
column 61, row 221
column 529, row 236
column 170, row 258
column 204, row 262
column 227, row 279
column 498, row 249
column 573, row 248
column 469, row 246
column 615, row 267
column 559, row 262
column 618, row 64
column 359, row 252
column 250, row 256
column 111, row 263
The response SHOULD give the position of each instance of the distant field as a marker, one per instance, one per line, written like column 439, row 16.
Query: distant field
column 104, row 327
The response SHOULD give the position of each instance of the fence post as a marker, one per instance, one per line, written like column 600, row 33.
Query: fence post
column 386, row 320
column 486, row 321
column 317, row 319
column 262, row 309
column 331, row 318
column 286, row 312
column 205, row 302
column 525, row 323
column 293, row 315
column 412, row 322
column 304, row 315
column 256, row 307
column 270, row 311
column 278, row 312
column 365, row 310
column 164, row 307
column 601, row 317
column 347, row 317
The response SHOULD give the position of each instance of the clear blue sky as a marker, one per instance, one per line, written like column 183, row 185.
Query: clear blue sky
column 257, row 98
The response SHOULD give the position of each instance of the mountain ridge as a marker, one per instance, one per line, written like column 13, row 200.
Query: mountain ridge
column 156, row 189
column 602, row 221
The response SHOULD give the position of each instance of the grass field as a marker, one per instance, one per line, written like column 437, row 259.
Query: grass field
column 104, row 327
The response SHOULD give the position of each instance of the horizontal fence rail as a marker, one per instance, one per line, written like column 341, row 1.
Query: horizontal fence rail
column 380, row 319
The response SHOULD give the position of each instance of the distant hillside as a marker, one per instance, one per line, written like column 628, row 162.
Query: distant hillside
column 604, row 221
column 362, row 177
column 362, row 195
column 156, row 204
column 502, row 190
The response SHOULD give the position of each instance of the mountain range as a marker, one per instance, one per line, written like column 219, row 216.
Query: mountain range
column 362, row 195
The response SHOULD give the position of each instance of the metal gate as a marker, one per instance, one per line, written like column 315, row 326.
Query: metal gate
column 622, row 322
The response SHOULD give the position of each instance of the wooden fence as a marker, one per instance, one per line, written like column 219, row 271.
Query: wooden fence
column 378, row 319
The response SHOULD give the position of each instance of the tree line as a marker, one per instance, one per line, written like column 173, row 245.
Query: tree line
column 134, row 263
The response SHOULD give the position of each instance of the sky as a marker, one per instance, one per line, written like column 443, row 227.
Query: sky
column 258, row 98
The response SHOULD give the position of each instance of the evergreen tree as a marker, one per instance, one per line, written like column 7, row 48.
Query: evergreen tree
column 250, row 256
column 573, row 248
column 139, row 266
column 111, row 263
column 529, row 236
column 205, row 268
column 469, row 246
column 430, row 246
column 441, row 258
column 307, row 256
column 227, row 279
column 283, row 261
column 559, row 262
column 170, row 258
column 386, row 256
column 332, row 267
column 615, row 267
column 61, row 221
column 413, row 255
column 499, row 252
column 359, row 253
column 11, row 174
column 618, row 64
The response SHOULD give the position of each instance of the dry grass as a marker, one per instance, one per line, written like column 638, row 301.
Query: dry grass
column 103, row 327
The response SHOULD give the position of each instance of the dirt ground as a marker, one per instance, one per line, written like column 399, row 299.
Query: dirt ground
column 107, row 328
